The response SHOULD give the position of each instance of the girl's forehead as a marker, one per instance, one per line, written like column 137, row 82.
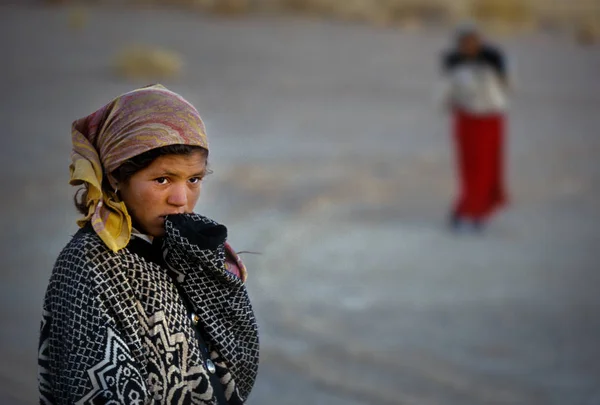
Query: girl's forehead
column 195, row 161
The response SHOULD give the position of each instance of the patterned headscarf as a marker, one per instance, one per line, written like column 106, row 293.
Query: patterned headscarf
column 131, row 124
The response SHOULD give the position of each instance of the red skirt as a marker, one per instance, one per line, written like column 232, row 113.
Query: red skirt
column 479, row 141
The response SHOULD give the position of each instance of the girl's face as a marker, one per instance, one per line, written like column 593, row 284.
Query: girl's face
column 170, row 185
column 470, row 45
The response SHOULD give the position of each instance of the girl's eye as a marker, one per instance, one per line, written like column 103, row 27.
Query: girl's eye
column 195, row 180
column 161, row 180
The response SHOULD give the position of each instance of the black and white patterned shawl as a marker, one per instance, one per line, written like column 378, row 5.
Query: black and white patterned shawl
column 115, row 330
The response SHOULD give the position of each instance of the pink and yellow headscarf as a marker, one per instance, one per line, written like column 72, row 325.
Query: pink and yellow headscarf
column 131, row 124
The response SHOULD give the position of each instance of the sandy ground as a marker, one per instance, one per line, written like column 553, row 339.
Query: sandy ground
column 331, row 159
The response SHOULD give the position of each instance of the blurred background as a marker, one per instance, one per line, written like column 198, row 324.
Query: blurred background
column 332, row 159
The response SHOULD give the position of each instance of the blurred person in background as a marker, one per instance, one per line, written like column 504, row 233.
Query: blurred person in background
column 476, row 82
column 146, row 303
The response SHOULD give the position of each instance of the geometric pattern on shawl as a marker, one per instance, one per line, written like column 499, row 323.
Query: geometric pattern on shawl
column 228, row 319
column 111, row 315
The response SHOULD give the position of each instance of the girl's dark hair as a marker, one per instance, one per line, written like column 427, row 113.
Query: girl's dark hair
column 123, row 173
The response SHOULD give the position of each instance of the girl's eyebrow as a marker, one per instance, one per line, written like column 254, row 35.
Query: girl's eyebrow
column 171, row 174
